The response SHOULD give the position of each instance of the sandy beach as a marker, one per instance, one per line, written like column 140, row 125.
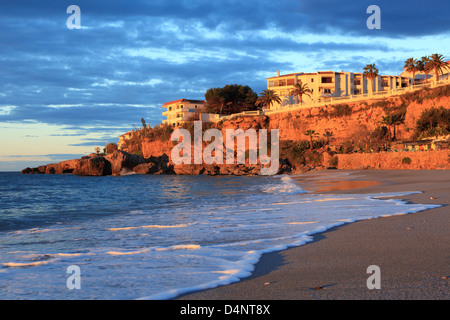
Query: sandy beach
column 412, row 251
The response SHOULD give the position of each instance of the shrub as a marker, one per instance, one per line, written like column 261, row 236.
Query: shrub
column 406, row 160
column 333, row 162
column 432, row 122
column 111, row 147
column 341, row 110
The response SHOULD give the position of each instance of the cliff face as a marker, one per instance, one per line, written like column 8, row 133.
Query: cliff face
column 368, row 114
column 344, row 121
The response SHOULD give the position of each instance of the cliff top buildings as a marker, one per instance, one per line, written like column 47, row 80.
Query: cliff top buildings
column 324, row 85
column 182, row 110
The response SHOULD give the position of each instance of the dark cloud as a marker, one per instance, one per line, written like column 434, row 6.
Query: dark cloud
column 144, row 53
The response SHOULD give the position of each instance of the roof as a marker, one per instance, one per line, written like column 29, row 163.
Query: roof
column 183, row 100
column 287, row 75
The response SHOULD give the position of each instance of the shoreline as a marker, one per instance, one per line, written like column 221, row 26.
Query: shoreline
column 411, row 250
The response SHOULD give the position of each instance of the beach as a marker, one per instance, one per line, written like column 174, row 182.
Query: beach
column 411, row 250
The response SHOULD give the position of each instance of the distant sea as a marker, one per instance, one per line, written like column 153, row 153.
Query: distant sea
column 157, row 236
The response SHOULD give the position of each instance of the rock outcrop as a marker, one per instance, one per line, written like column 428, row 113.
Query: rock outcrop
column 121, row 162
column 117, row 163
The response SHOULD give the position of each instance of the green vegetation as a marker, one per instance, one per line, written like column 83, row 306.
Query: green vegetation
column 230, row 99
column 433, row 122
column 334, row 161
column 311, row 134
column 267, row 98
column 437, row 63
column 299, row 90
column 411, row 66
column 406, row 160
column 341, row 110
column 370, row 72
column 110, row 148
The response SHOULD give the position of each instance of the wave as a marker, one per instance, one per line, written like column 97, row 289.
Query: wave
column 155, row 226
column 287, row 186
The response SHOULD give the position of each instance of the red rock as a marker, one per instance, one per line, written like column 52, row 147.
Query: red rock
column 93, row 166
column 122, row 161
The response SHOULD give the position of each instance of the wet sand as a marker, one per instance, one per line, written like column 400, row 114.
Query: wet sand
column 412, row 251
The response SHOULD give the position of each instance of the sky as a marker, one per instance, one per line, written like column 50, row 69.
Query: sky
column 65, row 91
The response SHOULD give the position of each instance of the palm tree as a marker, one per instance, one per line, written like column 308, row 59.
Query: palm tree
column 300, row 90
column 370, row 73
column 327, row 135
column 388, row 121
column 393, row 119
column 267, row 98
column 425, row 61
column 411, row 66
column 311, row 134
column 438, row 64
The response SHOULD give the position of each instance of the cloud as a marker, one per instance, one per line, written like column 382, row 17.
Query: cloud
column 131, row 57
column 52, row 156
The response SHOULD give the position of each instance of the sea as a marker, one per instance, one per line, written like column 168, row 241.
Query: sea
column 65, row 237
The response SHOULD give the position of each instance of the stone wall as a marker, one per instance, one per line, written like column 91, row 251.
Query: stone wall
column 439, row 159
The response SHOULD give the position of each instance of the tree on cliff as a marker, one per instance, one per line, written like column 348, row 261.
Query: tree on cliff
column 438, row 64
column 111, row 147
column 412, row 65
column 393, row 120
column 370, row 73
column 299, row 90
column 311, row 134
column 423, row 65
column 267, row 98
column 433, row 122
column 230, row 99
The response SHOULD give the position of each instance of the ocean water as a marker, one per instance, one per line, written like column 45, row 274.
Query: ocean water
column 157, row 236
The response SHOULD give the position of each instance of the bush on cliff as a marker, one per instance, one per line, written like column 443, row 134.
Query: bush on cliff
column 341, row 110
column 426, row 94
column 230, row 99
column 433, row 122
column 111, row 148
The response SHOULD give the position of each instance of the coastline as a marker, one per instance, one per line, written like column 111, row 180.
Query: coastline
column 411, row 250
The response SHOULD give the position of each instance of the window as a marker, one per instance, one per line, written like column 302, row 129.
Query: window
column 312, row 79
column 270, row 84
column 327, row 80
column 357, row 82
column 170, row 108
column 326, row 90
column 385, row 84
column 290, row 82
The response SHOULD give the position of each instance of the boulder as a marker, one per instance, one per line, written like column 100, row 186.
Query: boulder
column 53, row 168
column 92, row 166
column 122, row 161
column 146, row 168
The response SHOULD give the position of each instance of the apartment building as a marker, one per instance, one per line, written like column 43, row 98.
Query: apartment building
column 182, row 110
column 325, row 85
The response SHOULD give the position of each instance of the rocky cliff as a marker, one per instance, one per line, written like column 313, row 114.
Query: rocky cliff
column 335, row 126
